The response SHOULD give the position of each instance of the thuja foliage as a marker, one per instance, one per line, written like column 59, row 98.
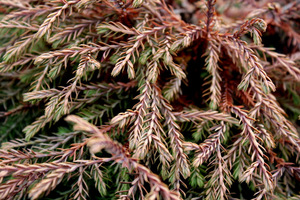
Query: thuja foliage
column 149, row 99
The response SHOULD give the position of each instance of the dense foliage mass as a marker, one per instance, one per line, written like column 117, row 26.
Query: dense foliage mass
column 149, row 99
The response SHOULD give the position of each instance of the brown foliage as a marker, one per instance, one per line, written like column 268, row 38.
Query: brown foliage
column 137, row 78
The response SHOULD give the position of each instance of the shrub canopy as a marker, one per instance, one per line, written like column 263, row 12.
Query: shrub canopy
column 149, row 99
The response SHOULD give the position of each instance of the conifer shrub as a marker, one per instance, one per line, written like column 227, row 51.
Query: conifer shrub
column 149, row 99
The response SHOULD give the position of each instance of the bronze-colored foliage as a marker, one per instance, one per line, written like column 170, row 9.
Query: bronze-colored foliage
column 169, row 99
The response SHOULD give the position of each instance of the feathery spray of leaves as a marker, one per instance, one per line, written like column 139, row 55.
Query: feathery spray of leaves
column 144, row 77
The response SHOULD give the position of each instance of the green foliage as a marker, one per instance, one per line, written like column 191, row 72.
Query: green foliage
column 168, row 99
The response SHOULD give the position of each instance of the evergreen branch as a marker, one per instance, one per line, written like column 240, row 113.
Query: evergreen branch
column 141, row 109
column 282, row 61
column 210, row 14
column 185, row 39
column 49, row 183
column 13, row 156
column 45, row 28
column 268, row 106
column 98, row 178
column 182, row 165
column 82, row 187
column 249, row 134
column 14, row 52
column 18, row 25
column 73, row 32
column 205, row 149
column 29, row 14
column 195, row 115
column 254, row 26
column 17, row 186
column 212, row 67
column 249, row 62
column 78, row 56
column 59, row 105
column 172, row 89
column 102, row 141
column 152, row 130
column 220, row 178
